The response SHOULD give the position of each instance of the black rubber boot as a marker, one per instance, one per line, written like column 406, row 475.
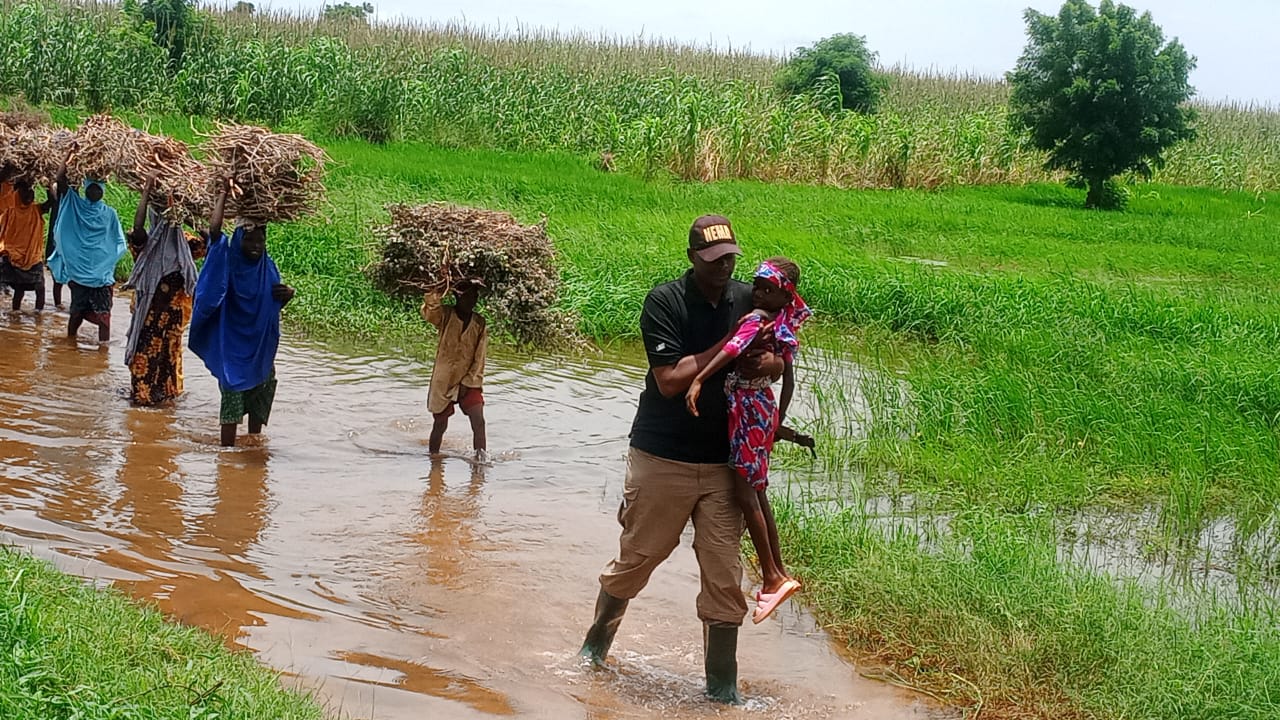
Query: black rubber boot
column 609, row 610
column 720, row 643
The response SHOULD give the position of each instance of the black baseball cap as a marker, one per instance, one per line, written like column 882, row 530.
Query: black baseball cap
column 712, row 238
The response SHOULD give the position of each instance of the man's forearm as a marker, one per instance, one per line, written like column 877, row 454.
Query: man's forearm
column 675, row 379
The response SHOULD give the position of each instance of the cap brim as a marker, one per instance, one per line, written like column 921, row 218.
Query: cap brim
column 719, row 250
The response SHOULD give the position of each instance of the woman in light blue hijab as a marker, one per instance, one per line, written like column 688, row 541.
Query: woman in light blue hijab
column 89, row 242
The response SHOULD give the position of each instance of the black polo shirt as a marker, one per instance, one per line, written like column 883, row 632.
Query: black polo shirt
column 678, row 321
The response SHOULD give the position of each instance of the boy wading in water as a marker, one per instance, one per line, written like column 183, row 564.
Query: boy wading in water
column 754, row 418
column 457, row 378
column 235, row 321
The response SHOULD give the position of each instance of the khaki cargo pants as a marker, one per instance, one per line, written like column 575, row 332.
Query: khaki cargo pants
column 658, row 500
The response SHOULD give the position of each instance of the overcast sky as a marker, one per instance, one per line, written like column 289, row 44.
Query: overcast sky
column 1236, row 42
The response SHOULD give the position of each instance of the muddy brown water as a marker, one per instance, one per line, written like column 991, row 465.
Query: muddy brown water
column 341, row 554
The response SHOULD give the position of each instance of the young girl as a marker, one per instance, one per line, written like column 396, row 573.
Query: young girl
column 235, row 321
column 754, row 419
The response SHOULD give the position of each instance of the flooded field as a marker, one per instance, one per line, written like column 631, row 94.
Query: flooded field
column 340, row 553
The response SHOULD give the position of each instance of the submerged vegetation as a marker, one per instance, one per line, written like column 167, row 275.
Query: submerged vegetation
column 656, row 108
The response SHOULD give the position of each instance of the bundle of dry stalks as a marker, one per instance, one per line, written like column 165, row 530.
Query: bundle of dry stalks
column 274, row 177
column 13, row 119
column 34, row 153
column 430, row 248
column 101, row 143
column 181, row 191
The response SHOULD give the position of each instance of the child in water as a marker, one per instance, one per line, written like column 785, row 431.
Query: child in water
column 235, row 321
column 22, row 236
column 754, row 418
column 90, row 241
column 457, row 377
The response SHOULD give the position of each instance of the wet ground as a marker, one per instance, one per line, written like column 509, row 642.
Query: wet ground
column 340, row 553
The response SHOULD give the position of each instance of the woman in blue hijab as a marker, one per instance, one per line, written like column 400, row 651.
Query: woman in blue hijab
column 235, row 321
column 89, row 243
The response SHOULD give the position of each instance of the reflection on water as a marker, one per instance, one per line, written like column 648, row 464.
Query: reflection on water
column 394, row 584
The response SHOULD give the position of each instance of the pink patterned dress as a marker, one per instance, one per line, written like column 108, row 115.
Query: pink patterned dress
column 753, row 412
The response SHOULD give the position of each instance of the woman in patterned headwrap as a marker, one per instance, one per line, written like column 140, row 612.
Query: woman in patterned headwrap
column 163, row 283
column 89, row 243
column 754, row 417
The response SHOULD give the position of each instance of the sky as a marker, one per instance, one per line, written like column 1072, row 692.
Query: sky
column 1236, row 42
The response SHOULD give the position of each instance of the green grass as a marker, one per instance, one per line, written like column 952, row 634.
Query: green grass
column 1044, row 361
column 987, row 617
column 74, row 652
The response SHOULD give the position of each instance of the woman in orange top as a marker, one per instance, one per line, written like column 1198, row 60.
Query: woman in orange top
column 22, row 244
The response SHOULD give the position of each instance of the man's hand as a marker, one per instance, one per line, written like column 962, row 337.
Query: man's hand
column 282, row 293
column 691, row 397
column 760, row 363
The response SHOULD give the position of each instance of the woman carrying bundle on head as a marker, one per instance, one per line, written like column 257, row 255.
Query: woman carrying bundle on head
column 22, row 244
column 235, row 323
column 163, row 283
column 89, row 242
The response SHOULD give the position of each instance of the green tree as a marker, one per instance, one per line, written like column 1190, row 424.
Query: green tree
column 173, row 23
column 1101, row 92
column 243, row 8
column 348, row 12
column 847, row 58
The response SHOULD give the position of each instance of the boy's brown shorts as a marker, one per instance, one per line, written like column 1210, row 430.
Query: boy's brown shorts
column 467, row 398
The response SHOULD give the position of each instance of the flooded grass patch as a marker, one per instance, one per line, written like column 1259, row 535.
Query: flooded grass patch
column 970, row 415
column 990, row 618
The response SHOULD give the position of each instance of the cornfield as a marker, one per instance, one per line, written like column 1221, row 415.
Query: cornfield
column 654, row 107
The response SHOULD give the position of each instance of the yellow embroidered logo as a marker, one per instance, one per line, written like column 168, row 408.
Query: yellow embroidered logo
column 717, row 233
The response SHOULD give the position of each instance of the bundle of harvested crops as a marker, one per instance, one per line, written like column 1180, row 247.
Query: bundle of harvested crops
column 274, row 177
column 182, row 183
column 24, row 119
column 102, row 143
column 35, row 153
column 432, row 247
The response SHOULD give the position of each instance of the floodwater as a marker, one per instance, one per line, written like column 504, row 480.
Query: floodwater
column 393, row 585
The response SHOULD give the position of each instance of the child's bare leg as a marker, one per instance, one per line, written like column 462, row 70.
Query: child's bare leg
column 73, row 324
column 255, row 425
column 767, row 510
column 17, row 299
column 479, row 439
column 104, row 331
column 749, row 500
column 228, row 434
column 437, row 433
column 57, row 294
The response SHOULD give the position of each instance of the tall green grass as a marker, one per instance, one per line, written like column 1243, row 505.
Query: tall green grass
column 658, row 107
